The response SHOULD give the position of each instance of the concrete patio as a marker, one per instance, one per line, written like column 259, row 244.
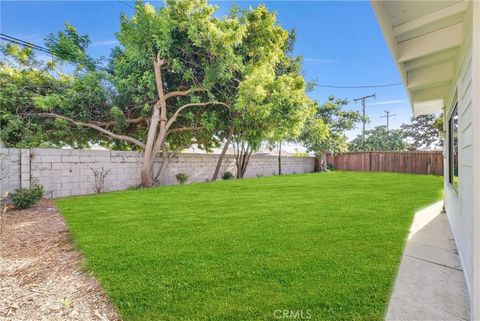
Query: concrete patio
column 430, row 283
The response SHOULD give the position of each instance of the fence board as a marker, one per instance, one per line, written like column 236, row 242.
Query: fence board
column 418, row 162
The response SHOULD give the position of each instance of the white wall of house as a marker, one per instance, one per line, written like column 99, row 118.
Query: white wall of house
column 475, row 96
column 459, row 203
column 436, row 45
column 463, row 206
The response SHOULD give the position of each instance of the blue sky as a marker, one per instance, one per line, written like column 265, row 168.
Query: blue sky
column 341, row 42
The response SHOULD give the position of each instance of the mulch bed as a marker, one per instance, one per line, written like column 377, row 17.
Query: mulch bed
column 40, row 272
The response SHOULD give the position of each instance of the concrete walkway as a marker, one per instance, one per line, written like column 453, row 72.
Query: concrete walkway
column 430, row 284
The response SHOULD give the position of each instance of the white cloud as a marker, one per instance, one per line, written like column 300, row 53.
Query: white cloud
column 320, row 61
column 388, row 102
column 108, row 42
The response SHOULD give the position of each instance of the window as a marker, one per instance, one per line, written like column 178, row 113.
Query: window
column 453, row 148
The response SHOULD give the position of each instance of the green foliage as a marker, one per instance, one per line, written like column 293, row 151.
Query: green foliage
column 331, row 167
column 181, row 178
column 29, row 87
column 227, row 175
column 237, row 250
column 27, row 197
column 70, row 46
column 438, row 123
column 379, row 139
column 326, row 130
column 271, row 103
column 423, row 131
column 243, row 60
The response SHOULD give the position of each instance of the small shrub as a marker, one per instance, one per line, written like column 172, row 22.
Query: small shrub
column 99, row 175
column 331, row 167
column 182, row 178
column 227, row 175
column 27, row 197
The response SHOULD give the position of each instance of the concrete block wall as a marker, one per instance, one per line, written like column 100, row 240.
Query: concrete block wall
column 65, row 172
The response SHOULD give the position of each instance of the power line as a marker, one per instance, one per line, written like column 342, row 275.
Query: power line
column 359, row 86
column 24, row 43
column 126, row 3
column 21, row 42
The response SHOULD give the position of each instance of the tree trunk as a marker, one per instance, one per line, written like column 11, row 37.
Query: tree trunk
column 158, row 116
column 280, row 158
column 323, row 162
column 242, row 161
column 163, row 165
column 147, row 153
column 248, row 153
column 224, row 151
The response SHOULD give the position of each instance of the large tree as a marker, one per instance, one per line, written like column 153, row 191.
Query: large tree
column 180, row 76
column 326, row 131
column 162, row 91
column 379, row 139
column 270, row 100
column 422, row 132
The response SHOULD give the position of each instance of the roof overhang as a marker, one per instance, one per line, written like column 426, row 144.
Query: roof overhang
column 424, row 38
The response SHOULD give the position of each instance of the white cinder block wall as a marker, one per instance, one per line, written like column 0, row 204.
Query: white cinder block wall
column 65, row 172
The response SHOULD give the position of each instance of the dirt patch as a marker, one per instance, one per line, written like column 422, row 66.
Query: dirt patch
column 40, row 272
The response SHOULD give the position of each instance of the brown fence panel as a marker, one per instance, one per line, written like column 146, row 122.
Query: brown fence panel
column 417, row 162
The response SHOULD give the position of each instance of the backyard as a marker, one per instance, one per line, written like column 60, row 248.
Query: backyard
column 325, row 246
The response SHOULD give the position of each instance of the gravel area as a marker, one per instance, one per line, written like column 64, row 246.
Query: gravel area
column 41, row 276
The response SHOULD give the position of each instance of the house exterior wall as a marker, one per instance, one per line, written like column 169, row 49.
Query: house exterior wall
column 460, row 204
column 475, row 93
column 65, row 172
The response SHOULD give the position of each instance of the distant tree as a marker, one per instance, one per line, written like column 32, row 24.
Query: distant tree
column 326, row 132
column 379, row 139
column 422, row 132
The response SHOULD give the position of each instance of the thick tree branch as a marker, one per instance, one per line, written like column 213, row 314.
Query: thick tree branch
column 179, row 110
column 183, row 129
column 113, row 122
column 157, row 65
column 182, row 93
column 97, row 128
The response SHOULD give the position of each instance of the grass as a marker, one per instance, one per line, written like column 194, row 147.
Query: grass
column 325, row 244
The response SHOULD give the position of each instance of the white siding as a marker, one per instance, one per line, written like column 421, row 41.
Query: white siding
column 459, row 205
column 475, row 92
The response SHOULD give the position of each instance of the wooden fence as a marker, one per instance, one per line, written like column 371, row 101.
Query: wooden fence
column 402, row 162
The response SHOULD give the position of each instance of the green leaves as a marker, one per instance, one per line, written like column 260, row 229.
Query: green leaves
column 70, row 46
column 331, row 135
column 379, row 139
column 242, row 61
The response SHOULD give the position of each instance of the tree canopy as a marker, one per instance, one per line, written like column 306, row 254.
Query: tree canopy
column 325, row 131
column 422, row 131
column 379, row 139
column 180, row 76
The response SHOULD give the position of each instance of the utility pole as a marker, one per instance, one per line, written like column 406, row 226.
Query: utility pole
column 363, row 112
column 387, row 116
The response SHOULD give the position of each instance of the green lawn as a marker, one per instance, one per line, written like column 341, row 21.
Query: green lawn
column 328, row 244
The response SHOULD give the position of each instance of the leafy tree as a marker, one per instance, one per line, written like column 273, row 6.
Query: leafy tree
column 422, row 132
column 270, row 101
column 28, row 86
column 379, row 139
column 162, row 92
column 180, row 76
column 326, row 132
